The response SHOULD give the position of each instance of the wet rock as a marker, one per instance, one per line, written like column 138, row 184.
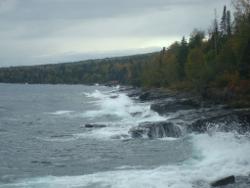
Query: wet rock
column 166, row 106
column 156, row 130
column 218, row 96
column 223, row 181
column 134, row 92
column 155, row 94
column 114, row 96
column 94, row 126
column 145, row 96
column 238, row 121
column 127, row 88
column 134, row 114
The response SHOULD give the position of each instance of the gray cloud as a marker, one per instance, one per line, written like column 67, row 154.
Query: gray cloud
column 46, row 31
column 87, row 9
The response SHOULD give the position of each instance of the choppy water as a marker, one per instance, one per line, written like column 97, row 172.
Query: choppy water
column 43, row 143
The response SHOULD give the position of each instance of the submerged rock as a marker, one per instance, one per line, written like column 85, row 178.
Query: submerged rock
column 94, row 126
column 223, row 181
column 156, row 130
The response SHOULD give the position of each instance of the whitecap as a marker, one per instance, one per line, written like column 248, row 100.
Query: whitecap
column 120, row 113
column 61, row 112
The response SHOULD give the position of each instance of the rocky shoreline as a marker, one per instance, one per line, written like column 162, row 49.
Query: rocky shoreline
column 166, row 102
column 194, row 115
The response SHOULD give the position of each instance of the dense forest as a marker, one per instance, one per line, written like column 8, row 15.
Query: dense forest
column 118, row 70
column 217, row 60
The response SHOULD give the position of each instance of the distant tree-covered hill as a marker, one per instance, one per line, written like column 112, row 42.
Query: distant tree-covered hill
column 123, row 70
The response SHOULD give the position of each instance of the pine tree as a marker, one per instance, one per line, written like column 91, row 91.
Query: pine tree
column 182, row 57
column 215, row 34
column 229, row 26
column 223, row 23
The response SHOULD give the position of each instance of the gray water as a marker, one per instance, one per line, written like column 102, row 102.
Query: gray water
column 43, row 142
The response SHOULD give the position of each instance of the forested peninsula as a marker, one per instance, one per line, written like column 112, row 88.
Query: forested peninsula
column 213, row 64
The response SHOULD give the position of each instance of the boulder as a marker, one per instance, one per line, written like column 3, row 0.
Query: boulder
column 94, row 126
column 223, row 181
column 114, row 96
column 156, row 130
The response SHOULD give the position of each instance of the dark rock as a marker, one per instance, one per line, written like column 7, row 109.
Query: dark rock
column 218, row 96
column 94, row 126
column 223, row 181
column 238, row 121
column 155, row 94
column 145, row 96
column 156, row 130
column 112, row 83
column 114, row 96
column 134, row 93
column 242, row 181
column 136, row 114
column 127, row 88
column 166, row 106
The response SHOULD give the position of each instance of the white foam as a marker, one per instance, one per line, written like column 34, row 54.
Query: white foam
column 121, row 113
column 168, row 139
column 223, row 154
column 214, row 157
column 61, row 112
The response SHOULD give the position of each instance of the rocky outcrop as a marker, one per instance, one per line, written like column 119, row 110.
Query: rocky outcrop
column 156, row 130
column 134, row 92
column 238, row 121
column 155, row 94
column 166, row 106
column 223, row 181
column 218, row 95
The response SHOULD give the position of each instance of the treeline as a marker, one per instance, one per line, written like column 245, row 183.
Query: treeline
column 119, row 70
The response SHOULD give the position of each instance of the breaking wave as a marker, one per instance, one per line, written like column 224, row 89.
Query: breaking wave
column 215, row 156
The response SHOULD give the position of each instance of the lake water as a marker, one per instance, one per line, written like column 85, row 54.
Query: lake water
column 44, row 143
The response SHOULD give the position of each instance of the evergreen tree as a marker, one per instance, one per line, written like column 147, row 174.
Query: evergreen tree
column 215, row 35
column 182, row 57
column 223, row 23
column 196, row 38
column 229, row 24
column 245, row 62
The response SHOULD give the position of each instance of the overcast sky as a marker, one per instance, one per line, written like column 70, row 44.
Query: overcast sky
column 52, row 31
